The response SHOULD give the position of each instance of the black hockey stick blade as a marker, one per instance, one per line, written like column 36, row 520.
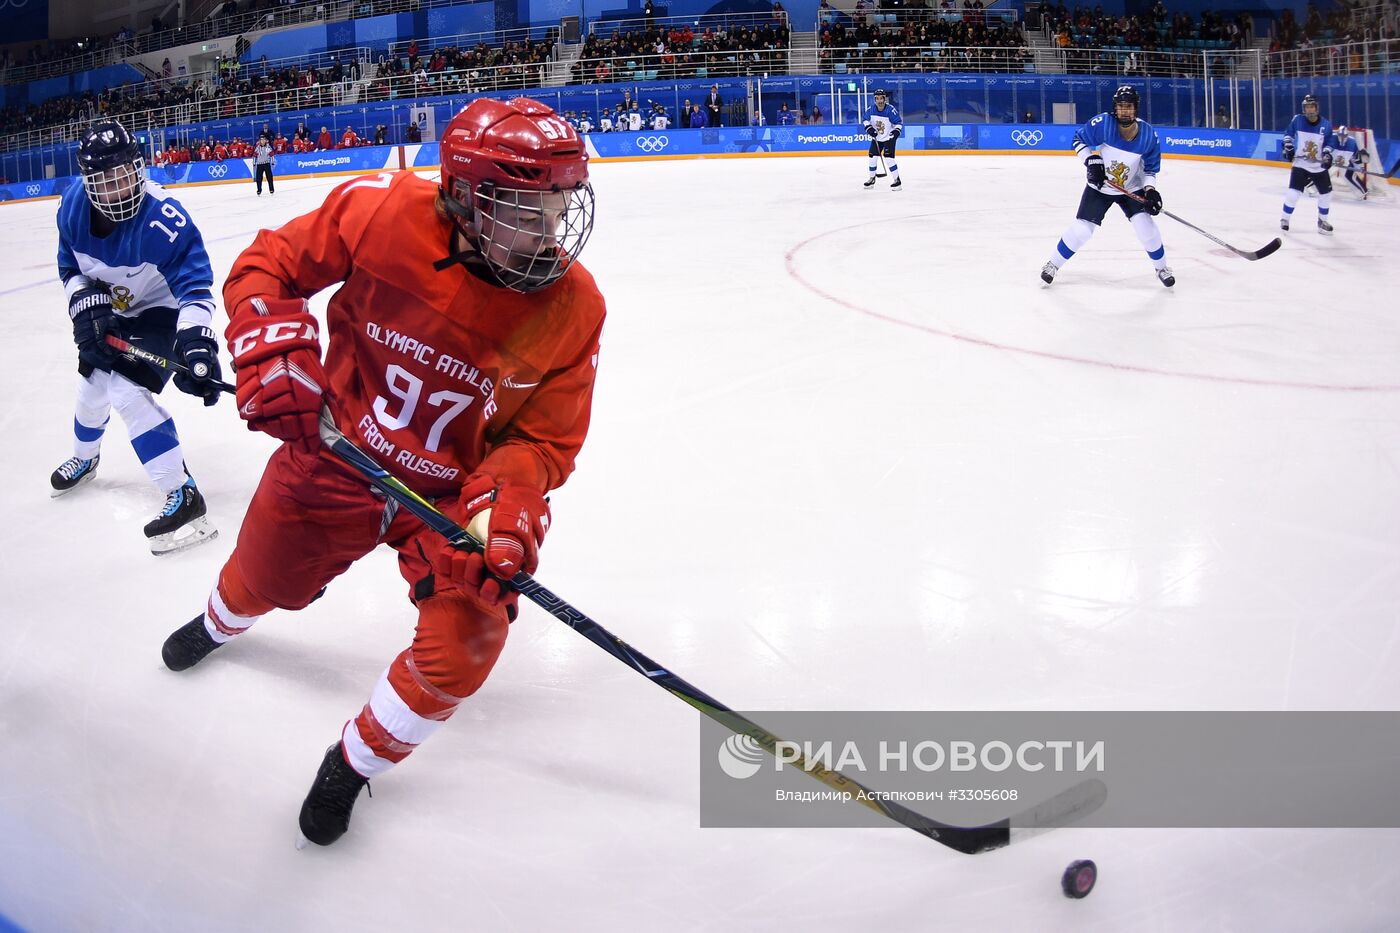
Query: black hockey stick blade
column 1268, row 249
column 137, row 353
column 1066, row 807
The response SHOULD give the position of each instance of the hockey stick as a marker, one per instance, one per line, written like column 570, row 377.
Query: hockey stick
column 884, row 169
column 135, row 352
column 1062, row 809
column 1268, row 249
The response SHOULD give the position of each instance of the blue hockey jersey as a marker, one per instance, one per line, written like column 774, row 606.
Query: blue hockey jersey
column 1133, row 164
column 154, row 260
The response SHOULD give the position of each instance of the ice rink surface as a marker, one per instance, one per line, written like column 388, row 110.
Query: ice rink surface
column 848, row 453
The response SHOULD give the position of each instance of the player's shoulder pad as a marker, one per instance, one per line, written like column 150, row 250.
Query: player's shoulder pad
column 158, row 195
column 362, row 186
column 70, row 200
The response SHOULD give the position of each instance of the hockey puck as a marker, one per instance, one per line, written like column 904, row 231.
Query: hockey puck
column 1078, row 879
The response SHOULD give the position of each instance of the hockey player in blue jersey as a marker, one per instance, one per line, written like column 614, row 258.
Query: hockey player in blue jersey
column 133, row 266
column 883, row 127
column 1350, row 157
column 1307, row 143
column 1120, row 148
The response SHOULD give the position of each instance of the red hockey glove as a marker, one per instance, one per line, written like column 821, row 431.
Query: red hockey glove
column 280, row 380
column 510, row 521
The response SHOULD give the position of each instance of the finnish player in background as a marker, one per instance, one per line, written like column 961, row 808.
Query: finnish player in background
column 1347, row 155
column 469, row 376
column 1118, row 147
column 133, row 265
column 1307, row 143
column 883, row 126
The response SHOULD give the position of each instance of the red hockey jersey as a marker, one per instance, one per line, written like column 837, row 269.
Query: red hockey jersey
column 437, row 374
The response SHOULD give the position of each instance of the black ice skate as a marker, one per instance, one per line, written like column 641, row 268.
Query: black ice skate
column 898, row 183
column 1047, row 272
column 1283, row 224
column 869, row 182
column 181, row 523
column 71, row 474
column 1166, row 278
column 1323, row 227
column 188, row 645
column 325, row 814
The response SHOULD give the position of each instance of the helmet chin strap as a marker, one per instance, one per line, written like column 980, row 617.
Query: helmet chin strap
column 470, row 257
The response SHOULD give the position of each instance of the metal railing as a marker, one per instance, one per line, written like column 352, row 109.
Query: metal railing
column 1112, row 60
column 718, row 23
column 902, row 16
column 201, row 86
column 935, row 56
column 1352, row 58
column 200, row 27
column 108, row 54
column 495, row 39
column 610, row 69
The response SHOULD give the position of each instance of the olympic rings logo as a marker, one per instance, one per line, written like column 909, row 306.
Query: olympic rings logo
column 218, row 171
column 1027, row 137
column 652, row 143
column 32, row 190
column 17, row 4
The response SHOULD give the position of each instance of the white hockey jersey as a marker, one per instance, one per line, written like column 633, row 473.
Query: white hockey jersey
column 1311, row 142
column 884, row 121
column 1134, row 163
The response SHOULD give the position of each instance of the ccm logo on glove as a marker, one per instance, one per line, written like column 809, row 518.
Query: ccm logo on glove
column 274, row 333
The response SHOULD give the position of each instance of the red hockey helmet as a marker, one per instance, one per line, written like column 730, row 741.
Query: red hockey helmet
column 515, row 182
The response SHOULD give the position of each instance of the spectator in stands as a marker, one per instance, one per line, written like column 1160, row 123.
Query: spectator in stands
column 713, row 106
column 324, row 142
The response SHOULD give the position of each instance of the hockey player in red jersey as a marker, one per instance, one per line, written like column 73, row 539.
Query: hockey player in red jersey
column 463, row 342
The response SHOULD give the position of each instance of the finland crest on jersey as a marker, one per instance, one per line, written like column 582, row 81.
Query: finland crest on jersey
column 1344, row 154
column 154, row 260
column 1311, row 141
column 1133, row 164
column 884, row 121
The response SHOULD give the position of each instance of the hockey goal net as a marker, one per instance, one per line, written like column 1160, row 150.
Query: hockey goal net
column 1367, row 168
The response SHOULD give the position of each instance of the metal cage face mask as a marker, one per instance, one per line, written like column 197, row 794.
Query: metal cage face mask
column 117, row 192
column 531, row 238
